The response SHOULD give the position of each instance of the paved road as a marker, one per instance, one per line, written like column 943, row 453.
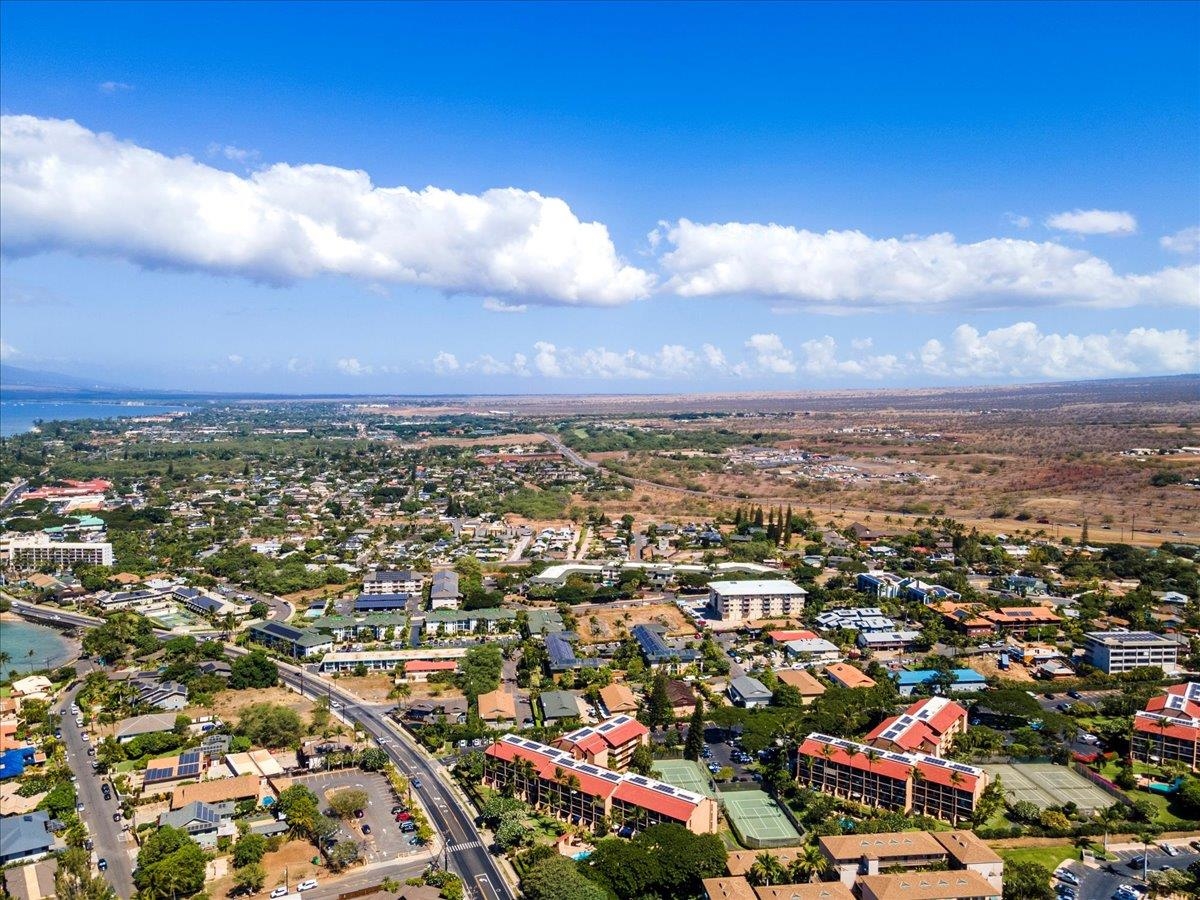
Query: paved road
column 466, row 853
column 112, row 843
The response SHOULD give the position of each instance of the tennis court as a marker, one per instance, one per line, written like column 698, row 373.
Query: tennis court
column 758, row 820
column 683, row 773
column 1044, row 784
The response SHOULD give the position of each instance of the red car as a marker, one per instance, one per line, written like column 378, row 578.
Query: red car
column 403, row 817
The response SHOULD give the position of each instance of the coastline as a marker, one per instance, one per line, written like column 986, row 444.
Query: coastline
column 72, row 644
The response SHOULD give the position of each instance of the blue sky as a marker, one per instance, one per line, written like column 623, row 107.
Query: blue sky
column 774, row 189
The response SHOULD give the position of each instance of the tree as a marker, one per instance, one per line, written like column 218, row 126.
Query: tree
column 766, row 870
column 642, row 760
column 269, row 725
column 249, row 878
column 1027, row 881
column 557, row 878
column 301, row 808
column 695, row 737
column 250, row 848
column 808, row 865
column 170, row 865
column 74, row 879
column 254, row 670
column 479, row 672
column 346, row 803
column 658, row 708
column 343, row 854
column 372, row 759
column 512, row 831
column 259, row 610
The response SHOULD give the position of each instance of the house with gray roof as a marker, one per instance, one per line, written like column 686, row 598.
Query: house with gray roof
column 155, row 723
column 205, row 822
column 558, row 705
column 748, row 692
column 25, row 838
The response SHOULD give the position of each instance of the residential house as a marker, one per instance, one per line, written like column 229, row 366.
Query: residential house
column 498, row 708
column 155, row 723
column 204, row 822
column 748, row 692
column 417, row 671
column 617, row 699
column 560, row 705
column 25, row 838
column 443, row 591
column 803, row 681
column 847, row 676
column 241, row 787
column 33, row 881
column 682, row 697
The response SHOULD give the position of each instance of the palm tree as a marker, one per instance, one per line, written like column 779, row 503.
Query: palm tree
column 1108, row 817
column 827, row 752
column 955, row 779
column 5, row 659
column 766, row 870
column 808, row 865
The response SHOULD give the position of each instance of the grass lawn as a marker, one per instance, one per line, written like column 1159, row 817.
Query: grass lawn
column 129, row 765
column 1050, row 856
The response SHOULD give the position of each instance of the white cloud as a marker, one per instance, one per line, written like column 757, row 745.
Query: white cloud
column 770, row 355
column 714, row 358
column 113, row 87
column 862, row 343
column 545, row 360
column 351, row 366
column 8, row 351
column 1093, row 221
column 1018, row 220
column 494, row 304
column 445, row 363
column 1185, row 242
column 235, row 359
column 842, row 271
column 232, row 153
column 1024, row 351
column 298, row 366
column 67, row 188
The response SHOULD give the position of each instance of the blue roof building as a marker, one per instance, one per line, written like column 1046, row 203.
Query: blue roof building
column 965, row 680
column 656, row 650
column 380, row 602
column 13, row 762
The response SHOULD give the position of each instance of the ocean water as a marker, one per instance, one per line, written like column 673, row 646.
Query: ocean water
column 50, row 649
column 18, row 416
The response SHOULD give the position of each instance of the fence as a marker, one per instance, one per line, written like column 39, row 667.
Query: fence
column 1103, row 783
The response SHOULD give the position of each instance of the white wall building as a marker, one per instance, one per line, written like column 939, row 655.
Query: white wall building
column 745, row 601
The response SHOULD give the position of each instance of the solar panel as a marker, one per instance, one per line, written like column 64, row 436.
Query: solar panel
column 664, row 789
column 638, row 779
column 189, row 770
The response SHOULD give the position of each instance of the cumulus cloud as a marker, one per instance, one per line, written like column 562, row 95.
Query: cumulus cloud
column 770, row 355
column 1018, row 220
column 445, row 363
column 114, row 87
column 70, row 189
column 351, row 366
column 235, row 359
column 1093, row 221
column 232, row 153
column 841, row 271
column 8, row 351
column 1185, row 242
column 298, row 366
column 1024, row 351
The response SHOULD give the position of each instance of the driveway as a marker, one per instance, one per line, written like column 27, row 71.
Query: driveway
column 386, row 841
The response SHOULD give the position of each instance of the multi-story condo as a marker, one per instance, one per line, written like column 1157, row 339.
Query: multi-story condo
column 747, row 601
column 295, row 642
column 570, row 789
column 384, row 582
column 610, row 744
column 855, row 855
column 1168, row 729
column 443, row 591
column 928, row 726
column 28, row 551
column 907, row 782
column 454, row 621
column 1114, row 652
column 386, row 660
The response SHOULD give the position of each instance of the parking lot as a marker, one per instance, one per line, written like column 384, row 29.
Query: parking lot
column 1101, row 883
column 386, row 841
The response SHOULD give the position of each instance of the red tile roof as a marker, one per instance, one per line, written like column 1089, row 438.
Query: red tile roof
column 430, row 665
column 674, row 807
column 942, row 775
column 892, row 769
column 1150, row 725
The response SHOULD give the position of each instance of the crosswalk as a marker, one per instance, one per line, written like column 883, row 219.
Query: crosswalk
column 465, row 845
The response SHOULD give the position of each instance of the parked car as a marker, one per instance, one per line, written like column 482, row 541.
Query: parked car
column 306, row 885
column 1068, row 876
column 366, row 829
column 1074, row 695
column 116, row 817
column 358, row 814
column 1169, row 849
column 102, row 864
column 280, row 891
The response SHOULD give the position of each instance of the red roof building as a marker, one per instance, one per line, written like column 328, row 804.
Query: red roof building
column 1168, row 729
column 928, row 726
column 610, row 744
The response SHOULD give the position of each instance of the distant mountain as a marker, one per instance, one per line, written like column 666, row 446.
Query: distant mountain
column 16, row 380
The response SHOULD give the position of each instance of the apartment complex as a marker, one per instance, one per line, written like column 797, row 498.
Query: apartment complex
column 907, row 782
column 748, row 601
column 298, row 643
column 975, row 620
column 583, row 793
column 1168, row 729
column 854, row 856
column 1114, row 652
column 28, row 551
column 443, row 590
column 610, row 744
column 928, row 726
column 403, row 582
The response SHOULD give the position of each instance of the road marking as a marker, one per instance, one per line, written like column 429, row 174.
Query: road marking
column 465, row 845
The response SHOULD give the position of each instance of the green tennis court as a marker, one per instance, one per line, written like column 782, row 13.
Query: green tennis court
column 759, row 820
column 1043, row 784
column 686, row 774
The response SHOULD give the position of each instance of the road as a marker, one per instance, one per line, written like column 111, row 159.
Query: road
column 112, row 843
column 467, row 855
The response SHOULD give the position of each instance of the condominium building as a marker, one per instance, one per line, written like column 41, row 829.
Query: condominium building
column 853, row 856
column 928, row 886
column 928, row 726
column 386, row 660
column 403, row 582
column 1114, row 652
column 906, row 782
column 580, row 792
column 610, row 744
column 443, row 591
column 747, row 601
column 28, row 551
column 1168, row 729
column 295, row 642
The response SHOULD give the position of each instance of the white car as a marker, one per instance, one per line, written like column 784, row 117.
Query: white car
column 279, row 892
column 306, row 885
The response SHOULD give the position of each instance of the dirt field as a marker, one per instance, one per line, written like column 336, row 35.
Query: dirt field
column 600, row 625
column 296, row 856
column 228, row 704
column 372, row 688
